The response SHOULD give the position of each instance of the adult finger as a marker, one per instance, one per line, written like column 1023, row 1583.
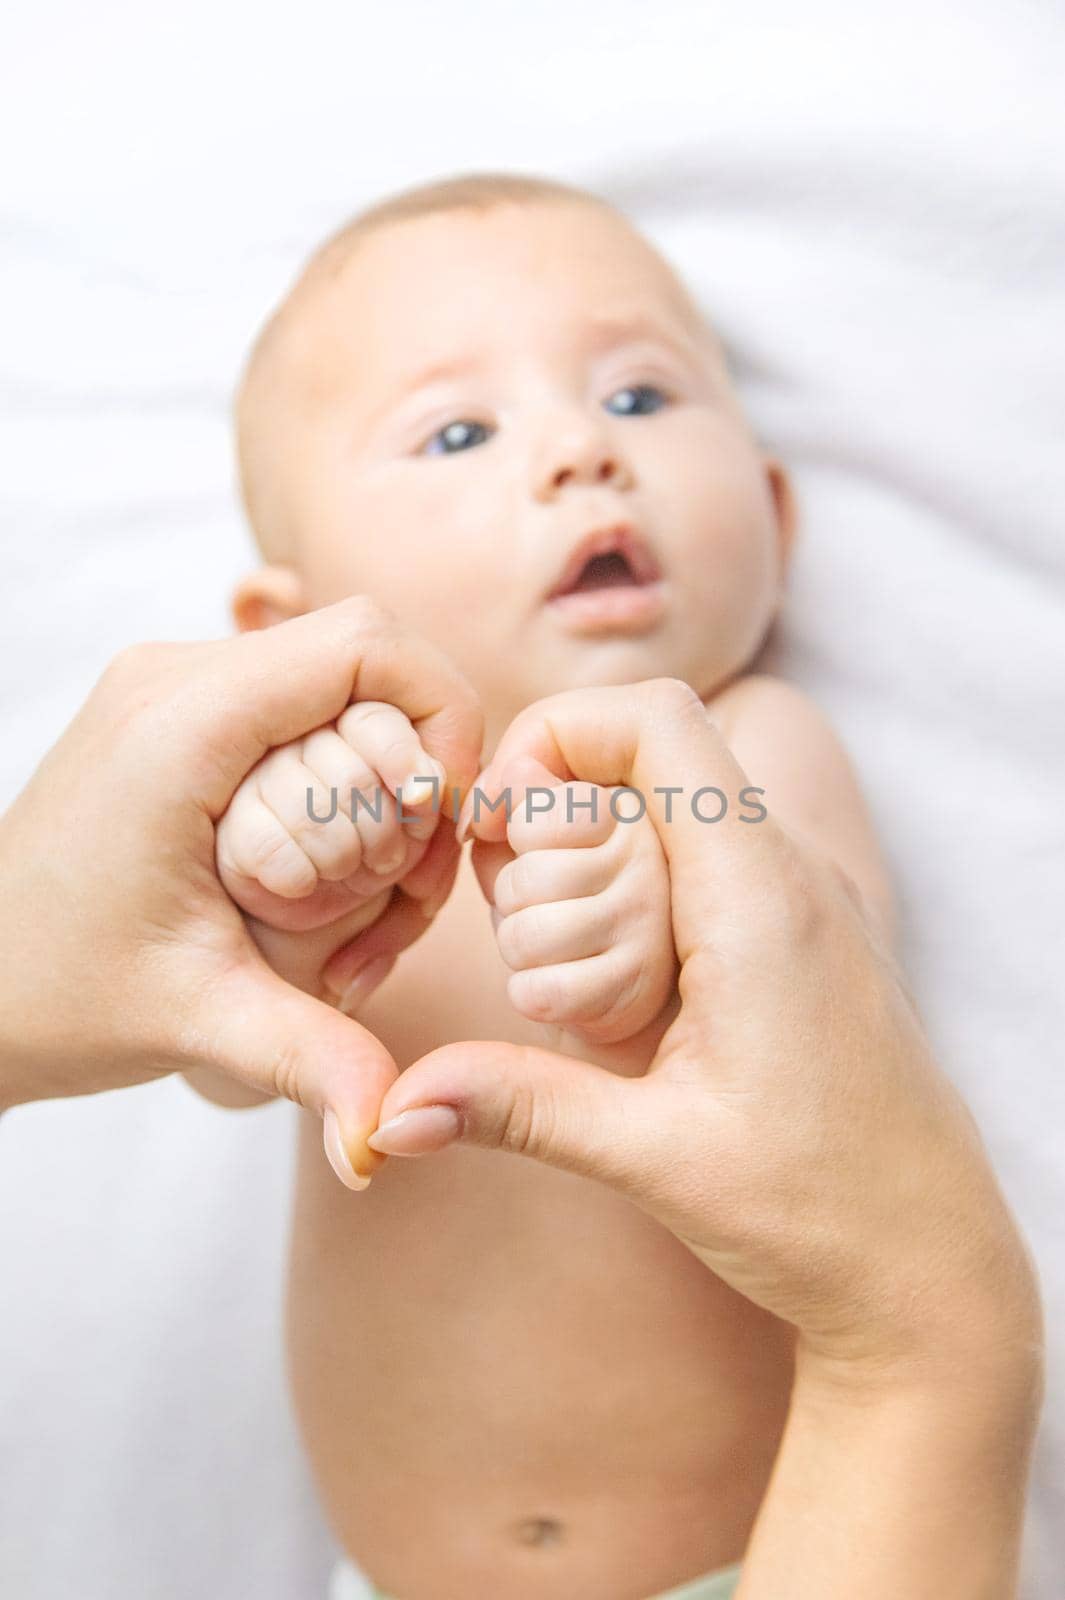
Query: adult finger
column 532, row 1102
column 269, row 687
column 254, row 1025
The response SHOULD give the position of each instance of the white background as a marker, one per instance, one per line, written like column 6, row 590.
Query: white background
column 869, row 201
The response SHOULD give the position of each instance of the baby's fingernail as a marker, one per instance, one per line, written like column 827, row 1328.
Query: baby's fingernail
column 417, row 1132
column 420, row 826
column 424, row 786
column 362, row 987
column 338, row 1155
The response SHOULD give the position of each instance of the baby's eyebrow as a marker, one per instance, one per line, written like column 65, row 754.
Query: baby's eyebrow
column 435, row 372
column 605, row 331
column 602, row 333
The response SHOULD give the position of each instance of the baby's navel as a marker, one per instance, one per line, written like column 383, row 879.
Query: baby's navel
column 539, row 1531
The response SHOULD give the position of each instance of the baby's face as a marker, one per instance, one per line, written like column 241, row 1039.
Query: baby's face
column 513, row 433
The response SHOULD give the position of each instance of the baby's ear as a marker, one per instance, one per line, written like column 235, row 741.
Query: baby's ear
column 269, row 595
column 786, row 508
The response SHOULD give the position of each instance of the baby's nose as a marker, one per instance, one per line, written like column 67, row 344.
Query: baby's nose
column 603, row 468
column 580, row 456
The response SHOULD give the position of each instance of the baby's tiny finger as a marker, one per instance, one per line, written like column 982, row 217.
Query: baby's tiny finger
column 384, row 838
column 252, row 844
column 572, row 992
column 543, row 875
column 566, row 930
column 340, row 770
column 573, row 816
column 489, row 859
column 365, row 798
column 387, row 740
column 309, row 813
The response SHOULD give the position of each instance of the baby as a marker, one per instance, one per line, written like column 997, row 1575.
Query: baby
column 490, row 405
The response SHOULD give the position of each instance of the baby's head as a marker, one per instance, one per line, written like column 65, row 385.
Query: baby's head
column 492, row 406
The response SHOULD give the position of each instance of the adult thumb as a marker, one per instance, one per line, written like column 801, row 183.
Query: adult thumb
column 258, row 1028
column 528, row 1101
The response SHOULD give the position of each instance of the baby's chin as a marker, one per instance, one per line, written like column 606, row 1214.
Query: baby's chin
column 612, row 663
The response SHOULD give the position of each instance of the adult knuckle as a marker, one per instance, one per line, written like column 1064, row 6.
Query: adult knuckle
column 123, row 668
column 798, row 902
column 145, row 713
column 357, row 717
column 388, row 726
column 672, row 697
column 286, row 1070
column 844, row 885
column 324, row 745
column 161, row 705
column 524, row 1128
column 364, row 612
column 126, row 683
column 143, row 656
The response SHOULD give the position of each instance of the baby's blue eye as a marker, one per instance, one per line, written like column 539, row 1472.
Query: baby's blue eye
column 457, row 436
column 639, row 400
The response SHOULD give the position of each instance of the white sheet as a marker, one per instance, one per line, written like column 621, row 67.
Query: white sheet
column 870, row 199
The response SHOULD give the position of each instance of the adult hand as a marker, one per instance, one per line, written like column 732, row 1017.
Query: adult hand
column 795, row 1132
column 122, row 957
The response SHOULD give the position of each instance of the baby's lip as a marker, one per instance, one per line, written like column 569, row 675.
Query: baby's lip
column 619, row 540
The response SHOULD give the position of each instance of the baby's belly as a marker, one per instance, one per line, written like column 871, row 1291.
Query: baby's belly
column 513, row 1384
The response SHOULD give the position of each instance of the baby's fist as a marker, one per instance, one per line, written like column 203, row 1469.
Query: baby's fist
column 314, row 831
column 582, row 912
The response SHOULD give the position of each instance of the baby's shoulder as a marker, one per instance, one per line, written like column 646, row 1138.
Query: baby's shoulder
column 794, row 757
column 788, row 747
column 761, row 704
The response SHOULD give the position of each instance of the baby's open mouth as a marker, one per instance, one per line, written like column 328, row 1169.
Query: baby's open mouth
column 612, row 558
column 604, row 572
column 611, row 582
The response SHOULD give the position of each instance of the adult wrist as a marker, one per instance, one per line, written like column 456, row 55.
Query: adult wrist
column 899, row 1480
column 991, row 1384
